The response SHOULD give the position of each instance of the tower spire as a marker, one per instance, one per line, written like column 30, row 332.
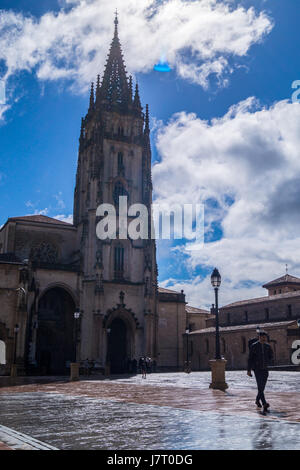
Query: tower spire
column 115, row 87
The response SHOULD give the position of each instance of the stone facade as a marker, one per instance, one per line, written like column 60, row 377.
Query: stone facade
column 276, row 314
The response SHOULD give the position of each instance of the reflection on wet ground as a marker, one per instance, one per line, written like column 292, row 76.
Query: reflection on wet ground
column 165, row 411
column 68, row 422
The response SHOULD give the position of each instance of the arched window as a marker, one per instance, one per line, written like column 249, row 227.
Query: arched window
column 119, row 262
column 2, row 353
column 119, row 190
column 121, row 168
column 244, row 348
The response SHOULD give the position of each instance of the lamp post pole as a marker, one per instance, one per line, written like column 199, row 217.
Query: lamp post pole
column 187, row 367
column 107, row 365
column 74, row 366
column 13, row 371
column 218, row 354
column 218, row 364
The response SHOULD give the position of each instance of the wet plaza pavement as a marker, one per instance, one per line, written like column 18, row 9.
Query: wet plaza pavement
column 165, row 411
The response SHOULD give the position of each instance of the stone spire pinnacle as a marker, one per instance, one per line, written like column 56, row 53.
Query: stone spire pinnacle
column 115, row 88
column 147, row 126
column 98, row 84
column 130, row 89
column 92, row 98
column 116, row 23
column 137, row 102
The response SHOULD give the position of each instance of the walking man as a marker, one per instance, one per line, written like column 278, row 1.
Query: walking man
column 260, row 357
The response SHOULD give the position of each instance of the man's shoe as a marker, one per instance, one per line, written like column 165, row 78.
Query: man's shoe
column 258, row 404
column 266, row 407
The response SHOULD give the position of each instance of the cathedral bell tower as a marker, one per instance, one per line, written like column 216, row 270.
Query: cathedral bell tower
column 118, row 288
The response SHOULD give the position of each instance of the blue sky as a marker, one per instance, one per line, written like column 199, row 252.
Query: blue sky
column 40, row 129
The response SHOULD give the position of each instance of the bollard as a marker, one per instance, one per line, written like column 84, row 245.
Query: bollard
column 218, row 374
column 14, row 370
column 74, row 371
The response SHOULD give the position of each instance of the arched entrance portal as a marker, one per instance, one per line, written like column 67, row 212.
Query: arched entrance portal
column 55, row 344
column 119, row 347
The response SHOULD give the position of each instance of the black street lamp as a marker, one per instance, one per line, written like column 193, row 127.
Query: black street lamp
column 187, row 368
column 77, row 318
column 216, row 282
column 107, row 365
column 16, row 331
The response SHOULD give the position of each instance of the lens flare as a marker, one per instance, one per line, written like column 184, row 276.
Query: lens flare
column 162, row 65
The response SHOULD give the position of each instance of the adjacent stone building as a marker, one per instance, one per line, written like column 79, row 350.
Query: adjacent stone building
column 50, row 269
column 276, row 313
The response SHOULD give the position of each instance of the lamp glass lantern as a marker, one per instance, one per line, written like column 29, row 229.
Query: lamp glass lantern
column 76, row 314
column 215, row 279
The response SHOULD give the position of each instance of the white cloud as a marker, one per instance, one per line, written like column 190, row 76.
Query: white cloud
column 197, row 37
column 64, row 218
column 248, row 162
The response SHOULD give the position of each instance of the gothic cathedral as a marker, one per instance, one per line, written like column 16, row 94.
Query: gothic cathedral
column 68, row 295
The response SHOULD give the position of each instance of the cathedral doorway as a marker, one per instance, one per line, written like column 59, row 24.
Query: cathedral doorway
column 55, row 345
column 119, row 347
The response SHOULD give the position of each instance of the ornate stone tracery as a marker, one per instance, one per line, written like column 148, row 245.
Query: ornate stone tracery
column 44, row 253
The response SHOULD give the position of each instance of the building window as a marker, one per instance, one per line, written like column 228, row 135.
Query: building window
column 121, row 167
column 246, row 316
column 207, row 346
column 274, row 292
column 223, row 345
column 119, row 262
column 119, row 190
column 267, row 314
column 244, row 348
column 228, row 318
column 289, row 311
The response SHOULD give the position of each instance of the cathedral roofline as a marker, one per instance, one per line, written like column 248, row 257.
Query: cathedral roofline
column 38, row 219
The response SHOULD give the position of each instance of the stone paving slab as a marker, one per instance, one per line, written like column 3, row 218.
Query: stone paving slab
column 13, row 440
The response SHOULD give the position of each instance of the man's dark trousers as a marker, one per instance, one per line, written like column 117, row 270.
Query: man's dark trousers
column 261, row 376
